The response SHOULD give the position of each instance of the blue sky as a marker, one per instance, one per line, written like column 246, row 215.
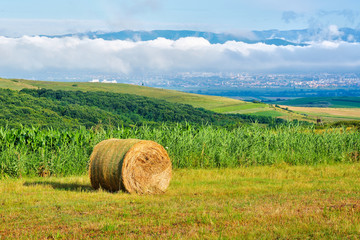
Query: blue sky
column 18, row 17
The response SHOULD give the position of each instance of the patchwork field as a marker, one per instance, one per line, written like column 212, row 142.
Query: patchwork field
column 324, row 102
column 329, row 114
column 271, row 202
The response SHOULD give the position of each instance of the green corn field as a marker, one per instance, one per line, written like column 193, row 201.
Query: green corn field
column 33, row 151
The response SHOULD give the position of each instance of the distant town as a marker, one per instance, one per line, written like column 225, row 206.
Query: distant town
column 198, row 80
column 246, row 80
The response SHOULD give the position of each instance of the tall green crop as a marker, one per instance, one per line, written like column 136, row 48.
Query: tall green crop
column 31, row 151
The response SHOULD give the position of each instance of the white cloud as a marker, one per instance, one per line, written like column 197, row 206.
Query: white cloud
column 34, row 54
column 334, row 30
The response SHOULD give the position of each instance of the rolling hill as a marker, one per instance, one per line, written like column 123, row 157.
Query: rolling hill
column 213, row 103
column 196, row 100
column 44, row 107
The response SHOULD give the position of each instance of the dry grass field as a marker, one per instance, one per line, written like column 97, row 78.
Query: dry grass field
column 268, row 202
column 329, row 113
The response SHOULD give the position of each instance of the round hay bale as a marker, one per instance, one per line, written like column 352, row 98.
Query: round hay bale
column 131, row 165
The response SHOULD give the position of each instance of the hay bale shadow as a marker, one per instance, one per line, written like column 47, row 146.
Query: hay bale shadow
column 75, row 187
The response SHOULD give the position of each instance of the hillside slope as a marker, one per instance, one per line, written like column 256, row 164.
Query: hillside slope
column 213, row 103
column 196, row 100
column 59, row 108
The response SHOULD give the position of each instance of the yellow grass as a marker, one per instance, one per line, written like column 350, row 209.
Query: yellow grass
column 15, row 84
column 272, row 202
column 341, row 112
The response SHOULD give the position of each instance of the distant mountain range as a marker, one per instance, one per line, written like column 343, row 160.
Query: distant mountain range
column 274, row 37
column 310, row 35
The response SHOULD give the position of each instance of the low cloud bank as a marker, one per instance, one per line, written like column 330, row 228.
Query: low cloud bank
column 30, row 54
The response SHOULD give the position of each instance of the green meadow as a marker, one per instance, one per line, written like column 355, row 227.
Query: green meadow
column 261, row 202
column 331, row 102
column 233, row 176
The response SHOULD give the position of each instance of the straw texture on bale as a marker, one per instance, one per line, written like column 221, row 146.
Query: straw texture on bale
column 131, row 165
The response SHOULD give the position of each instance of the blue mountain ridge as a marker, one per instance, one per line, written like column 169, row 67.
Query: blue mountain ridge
column 272, row 37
